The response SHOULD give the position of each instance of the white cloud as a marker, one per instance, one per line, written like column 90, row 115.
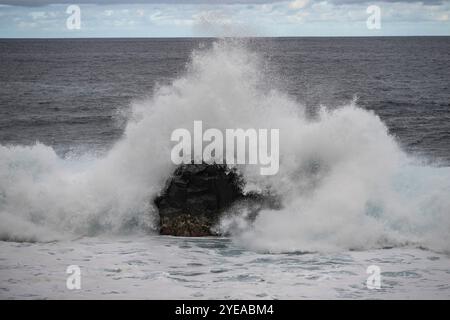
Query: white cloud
column 316, row 17
column 212, row 17
column 298, row 17
column 36, row 15
column 26, row 25
column 443, row 17
column 298, row 4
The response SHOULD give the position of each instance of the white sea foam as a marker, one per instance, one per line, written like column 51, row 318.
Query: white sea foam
column 344, row 181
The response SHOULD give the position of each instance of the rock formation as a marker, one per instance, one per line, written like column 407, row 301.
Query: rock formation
column 197, row 195
column 194, row 198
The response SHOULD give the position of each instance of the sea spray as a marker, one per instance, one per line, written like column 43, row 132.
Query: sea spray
column 343, row 180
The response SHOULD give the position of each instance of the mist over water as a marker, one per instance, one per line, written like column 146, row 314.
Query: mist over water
column 344, row 180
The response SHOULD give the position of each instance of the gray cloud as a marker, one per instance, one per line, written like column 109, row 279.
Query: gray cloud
column 388, row 1
column 34, row 3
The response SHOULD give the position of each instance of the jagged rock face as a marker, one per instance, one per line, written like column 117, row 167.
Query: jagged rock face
column 195, row 197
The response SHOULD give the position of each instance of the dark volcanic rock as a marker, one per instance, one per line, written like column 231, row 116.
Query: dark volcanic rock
column 195, row 197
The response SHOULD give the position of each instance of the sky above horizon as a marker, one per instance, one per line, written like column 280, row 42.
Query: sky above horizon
column 202, row 18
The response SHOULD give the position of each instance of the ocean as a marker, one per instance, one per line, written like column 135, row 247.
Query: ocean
column 364, row 166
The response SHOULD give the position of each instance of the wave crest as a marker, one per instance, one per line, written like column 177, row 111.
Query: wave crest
column 344, row 181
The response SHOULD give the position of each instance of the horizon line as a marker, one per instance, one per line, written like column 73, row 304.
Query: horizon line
column 227, row 37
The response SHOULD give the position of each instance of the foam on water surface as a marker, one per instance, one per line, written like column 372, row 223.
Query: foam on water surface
column 213, row 268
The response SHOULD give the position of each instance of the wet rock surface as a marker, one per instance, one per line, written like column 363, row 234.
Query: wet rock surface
column 195, row 197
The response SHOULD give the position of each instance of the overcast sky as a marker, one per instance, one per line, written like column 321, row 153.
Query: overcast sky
column 181, row 18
